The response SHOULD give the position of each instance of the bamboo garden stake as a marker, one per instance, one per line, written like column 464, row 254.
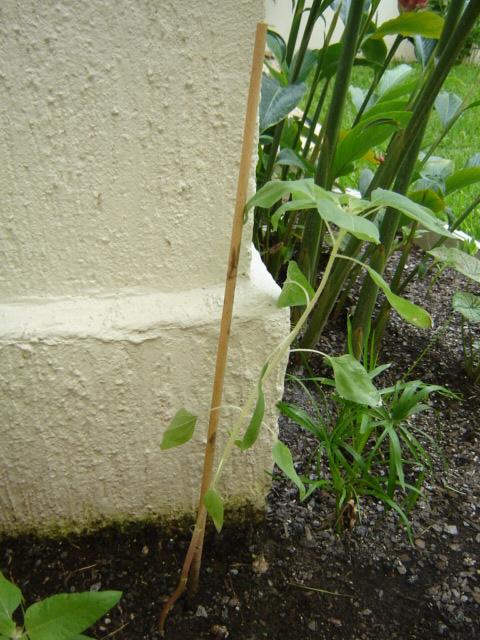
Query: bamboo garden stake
column 191, row 566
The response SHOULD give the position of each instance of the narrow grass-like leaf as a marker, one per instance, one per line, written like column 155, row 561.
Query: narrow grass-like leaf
column 352, row 381
column 467, row 304
column 64, row 615
column 180, row 430
column 10, row 598
column 214, row 505
column 283, row 459
column 296, row 290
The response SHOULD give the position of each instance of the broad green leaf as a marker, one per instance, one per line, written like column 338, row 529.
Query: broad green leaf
column 10, row 598
column 352, row 380
column 283, row 459
column 447, row 105
column 274, row 191
column 428, row 198
column 414, row 211
column 423, row 23
column 374, row 50
column 467, row 304
column 474, row 161
column 296, row 290
column 462, row 178
column 180, row 429
column 253, row 429
column 356, row 225
column 385, row 108
column 463, row 262
column 424, row 47
column 437, row 168
column 308, row 63
column 397, row 82
column 278, row 101
column 293, row 159
column 214, row 505
column 277, row 45
column 64, row 615
column 410, row 312
column 367, row 134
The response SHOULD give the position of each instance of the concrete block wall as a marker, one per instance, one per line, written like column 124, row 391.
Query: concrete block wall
column 121, row 127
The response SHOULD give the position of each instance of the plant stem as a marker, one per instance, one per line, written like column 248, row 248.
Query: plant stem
column 310, row 249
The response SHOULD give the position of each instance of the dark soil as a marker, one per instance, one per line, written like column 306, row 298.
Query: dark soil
column 289, row 577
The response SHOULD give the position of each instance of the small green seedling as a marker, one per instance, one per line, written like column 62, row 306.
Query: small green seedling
column 60, row 617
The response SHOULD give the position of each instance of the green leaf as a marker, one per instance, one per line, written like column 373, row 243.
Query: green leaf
column 10, row 598
column 356, row 225
column 352, row 381
column 474, row 160
column 374, row 50
column 467, row 304
column 397, row 82
column 291, row 158
column 410, row 312
column 367, row 134
column 214, row 505
column 428, row 198
column 180, row 429
column 277, row 45
column 274, row 191
column 253, row 429
column 296, row 290
column 414, row 211
column 462, row 262
column 423, row 23
column 447, row 105
column 64, row 615
column 283, row 459
column 278, row 101
column 461, row 179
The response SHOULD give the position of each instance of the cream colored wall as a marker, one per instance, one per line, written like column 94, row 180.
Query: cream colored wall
column 122, row 125
column 278, row 14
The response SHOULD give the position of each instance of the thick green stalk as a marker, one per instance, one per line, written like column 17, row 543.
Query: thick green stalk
column 293, row 35
column 316, row 79
column 366, row 303
column 401, row 144
column 331, row 129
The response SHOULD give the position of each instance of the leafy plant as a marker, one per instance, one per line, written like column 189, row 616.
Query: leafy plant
column 340, row 214
column 368, row 445
column 60, row 617
column 397, row 107
column 464, row 302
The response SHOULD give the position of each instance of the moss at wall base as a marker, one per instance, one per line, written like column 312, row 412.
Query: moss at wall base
column 238, row 512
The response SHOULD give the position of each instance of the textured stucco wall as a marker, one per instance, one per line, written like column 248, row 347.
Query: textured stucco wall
column 121, row 126
column 121, row 130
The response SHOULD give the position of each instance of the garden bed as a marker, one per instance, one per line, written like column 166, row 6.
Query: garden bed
column 289, row 576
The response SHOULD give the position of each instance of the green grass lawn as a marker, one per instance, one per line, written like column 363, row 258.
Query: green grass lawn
column 460, row 144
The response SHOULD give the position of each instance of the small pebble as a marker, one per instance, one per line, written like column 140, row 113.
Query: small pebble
column 201, row 612
column 451, row 529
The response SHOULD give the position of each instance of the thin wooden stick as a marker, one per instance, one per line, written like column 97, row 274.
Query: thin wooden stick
column 194, row 555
